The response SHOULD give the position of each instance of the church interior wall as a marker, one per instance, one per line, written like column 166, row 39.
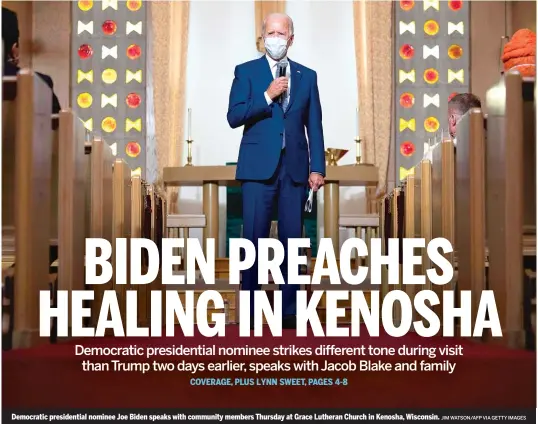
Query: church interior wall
column 222, row 35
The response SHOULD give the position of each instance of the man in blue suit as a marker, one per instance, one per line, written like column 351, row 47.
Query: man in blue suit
column 277, row 163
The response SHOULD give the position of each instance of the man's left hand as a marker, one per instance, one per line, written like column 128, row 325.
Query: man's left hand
column 316, row 181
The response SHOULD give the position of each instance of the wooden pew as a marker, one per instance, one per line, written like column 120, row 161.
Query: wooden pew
column 141, row 227
column 67, row 224
column 471, row 205
column 71, row 201
column 26, row 189
column 443, row 205
column 121, row 222
column 397, row 232
column 422, row 209
column 98, row 214
column 511, row 198
column 409, row 217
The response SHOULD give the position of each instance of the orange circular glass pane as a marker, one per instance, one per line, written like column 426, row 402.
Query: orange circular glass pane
column 455, row 5
column 407, row 100
column 407, row 51
column 407, row 149
column 134, row 5
column 134, row 51
column 431, row 124
column 452, row 96
column 132, row 149
column 84, row 100
column 109, row 76
column 85, row 5
column 431, row 76
column 455, row 51
column 407, row 5
column 431, row 27
column 109, row 124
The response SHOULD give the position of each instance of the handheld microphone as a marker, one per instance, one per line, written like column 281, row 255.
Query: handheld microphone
column 281, row 72
column 282, row 68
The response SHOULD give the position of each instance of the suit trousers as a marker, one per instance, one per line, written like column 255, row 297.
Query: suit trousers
column 259, row 198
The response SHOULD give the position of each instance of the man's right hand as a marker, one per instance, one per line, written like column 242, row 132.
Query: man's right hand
column 277, row 87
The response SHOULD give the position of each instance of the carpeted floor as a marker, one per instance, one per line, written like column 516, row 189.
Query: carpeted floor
column 485, row 376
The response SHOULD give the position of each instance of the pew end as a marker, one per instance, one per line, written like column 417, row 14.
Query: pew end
column 26, row 182
column 510, row 196
column 470, row 205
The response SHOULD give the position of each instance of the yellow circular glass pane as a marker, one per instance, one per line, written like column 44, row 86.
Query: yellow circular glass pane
column 109, row 124
column 84, row 100
column 85, row 5
column 134, row 5
column 431, row 124
column 109, row 76
column 431, row 27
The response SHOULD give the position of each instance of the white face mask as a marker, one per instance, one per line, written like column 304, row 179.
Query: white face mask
column 276, row 47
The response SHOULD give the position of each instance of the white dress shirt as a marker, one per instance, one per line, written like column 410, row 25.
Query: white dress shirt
column 273, row 66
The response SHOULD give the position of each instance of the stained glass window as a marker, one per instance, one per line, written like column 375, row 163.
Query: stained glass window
column 432, row 64
column 109, row 65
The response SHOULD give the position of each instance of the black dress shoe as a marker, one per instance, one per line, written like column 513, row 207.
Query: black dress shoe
column 289, row 322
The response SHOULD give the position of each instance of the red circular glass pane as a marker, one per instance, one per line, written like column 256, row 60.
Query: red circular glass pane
column 134, row 51
column 452, row 96
column 133, row 100
column 85, row 51
column 132, row 149
column 407, row 148
column 455, row 4
column 109, row 27
column 407, row 51
column 407, row 5
column 407, row 100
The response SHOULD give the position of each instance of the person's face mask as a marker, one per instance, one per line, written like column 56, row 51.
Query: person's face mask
column 276, row 47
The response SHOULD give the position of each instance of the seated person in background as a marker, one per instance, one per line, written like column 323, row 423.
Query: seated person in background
column 458, row 106
column 10, row 37
column 520, row 53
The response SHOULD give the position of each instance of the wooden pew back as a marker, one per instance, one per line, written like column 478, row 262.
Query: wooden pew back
column 422, row 198
column 99, row 164
column 9, row 143
column 138, row 230
column 470, row 205
column 509, row 141
column 121, row 220
column 27, row 184
column 442, row 202
column 55, row 185
column 99, row 190
column 71, row 202
column 409, row 214
column 443, row 192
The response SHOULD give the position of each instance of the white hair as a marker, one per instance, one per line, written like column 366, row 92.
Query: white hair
column 280, row 15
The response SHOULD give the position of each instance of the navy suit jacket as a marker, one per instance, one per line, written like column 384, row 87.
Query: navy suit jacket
column 264, row 125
